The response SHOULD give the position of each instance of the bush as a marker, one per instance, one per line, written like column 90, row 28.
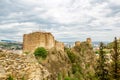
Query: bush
column 67, row 78
column 75, row 68
column 71, row 56
column 59, row 76
column 10, row 78
column 41, row 52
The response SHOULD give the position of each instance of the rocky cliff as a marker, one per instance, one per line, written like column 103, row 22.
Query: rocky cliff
column 57, row 62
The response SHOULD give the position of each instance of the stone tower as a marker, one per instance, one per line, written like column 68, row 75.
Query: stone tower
column 89, row 41
column 40, row 39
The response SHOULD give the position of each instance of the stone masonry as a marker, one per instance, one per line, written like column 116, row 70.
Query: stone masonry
column 40, row 39
column 88, row 40
column 77, row 43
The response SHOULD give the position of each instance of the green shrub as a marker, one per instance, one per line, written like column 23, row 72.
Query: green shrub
column 41, row 52
column 59, row 76
column 71, row 56
column 76, row 68
column 67, row 78
column 97, row 52
column 10, row 78
column 26, row 52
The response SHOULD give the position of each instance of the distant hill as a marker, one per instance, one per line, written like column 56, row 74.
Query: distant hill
column 9, row 41
column 6, row 44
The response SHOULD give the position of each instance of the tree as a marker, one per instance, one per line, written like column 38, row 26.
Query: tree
column 115, row 61
column 71, row 56
column 102, row 67
column 41, row 52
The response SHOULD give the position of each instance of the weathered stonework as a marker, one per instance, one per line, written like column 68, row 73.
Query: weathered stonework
column 39, row 39
column 59, row 45
column 88, row 40
column 77, row 43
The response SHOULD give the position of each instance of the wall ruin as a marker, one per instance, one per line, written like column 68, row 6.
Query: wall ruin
column 39, row 39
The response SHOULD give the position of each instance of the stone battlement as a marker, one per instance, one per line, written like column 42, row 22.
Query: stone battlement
column 40, row 39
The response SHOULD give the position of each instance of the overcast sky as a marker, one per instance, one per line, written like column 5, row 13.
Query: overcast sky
column 67, row 20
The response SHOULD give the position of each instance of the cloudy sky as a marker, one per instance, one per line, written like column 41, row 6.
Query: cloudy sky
column 67, row 20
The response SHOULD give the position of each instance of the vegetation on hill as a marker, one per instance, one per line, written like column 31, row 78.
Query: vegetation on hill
column 108, row 65
column 86, row 66
column 80, row 62
column 102, row 69
column 115, row 64
column 83, row 61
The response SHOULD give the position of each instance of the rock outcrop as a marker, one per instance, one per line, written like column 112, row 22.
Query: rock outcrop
column 40, row 39
column 21, row 66
column 57, row 62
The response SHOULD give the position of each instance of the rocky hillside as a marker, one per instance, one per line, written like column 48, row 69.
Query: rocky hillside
column 21, row 67
column 83, row 61
column 75, row 63
column 57, row 62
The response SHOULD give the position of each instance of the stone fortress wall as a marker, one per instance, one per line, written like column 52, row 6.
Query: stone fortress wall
column 88, row 40
column 40, row 39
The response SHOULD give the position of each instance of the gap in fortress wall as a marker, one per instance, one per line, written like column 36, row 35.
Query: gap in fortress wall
column 40, row 39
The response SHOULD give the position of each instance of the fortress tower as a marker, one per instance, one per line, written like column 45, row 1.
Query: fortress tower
column 89, row 41
column 40, row 39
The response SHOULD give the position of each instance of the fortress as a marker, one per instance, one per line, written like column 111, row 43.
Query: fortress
column 40, row 39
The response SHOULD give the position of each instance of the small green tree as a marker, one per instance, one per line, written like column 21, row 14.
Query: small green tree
column 41, row 52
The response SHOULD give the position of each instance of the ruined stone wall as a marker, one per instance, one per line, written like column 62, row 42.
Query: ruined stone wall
column 77, row 43
column 59, row 46
column 37, row 39
column 40, row 39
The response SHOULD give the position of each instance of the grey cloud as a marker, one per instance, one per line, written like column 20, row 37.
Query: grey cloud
column 71, row 20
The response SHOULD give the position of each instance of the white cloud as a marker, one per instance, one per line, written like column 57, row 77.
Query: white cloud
column 115, row 2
